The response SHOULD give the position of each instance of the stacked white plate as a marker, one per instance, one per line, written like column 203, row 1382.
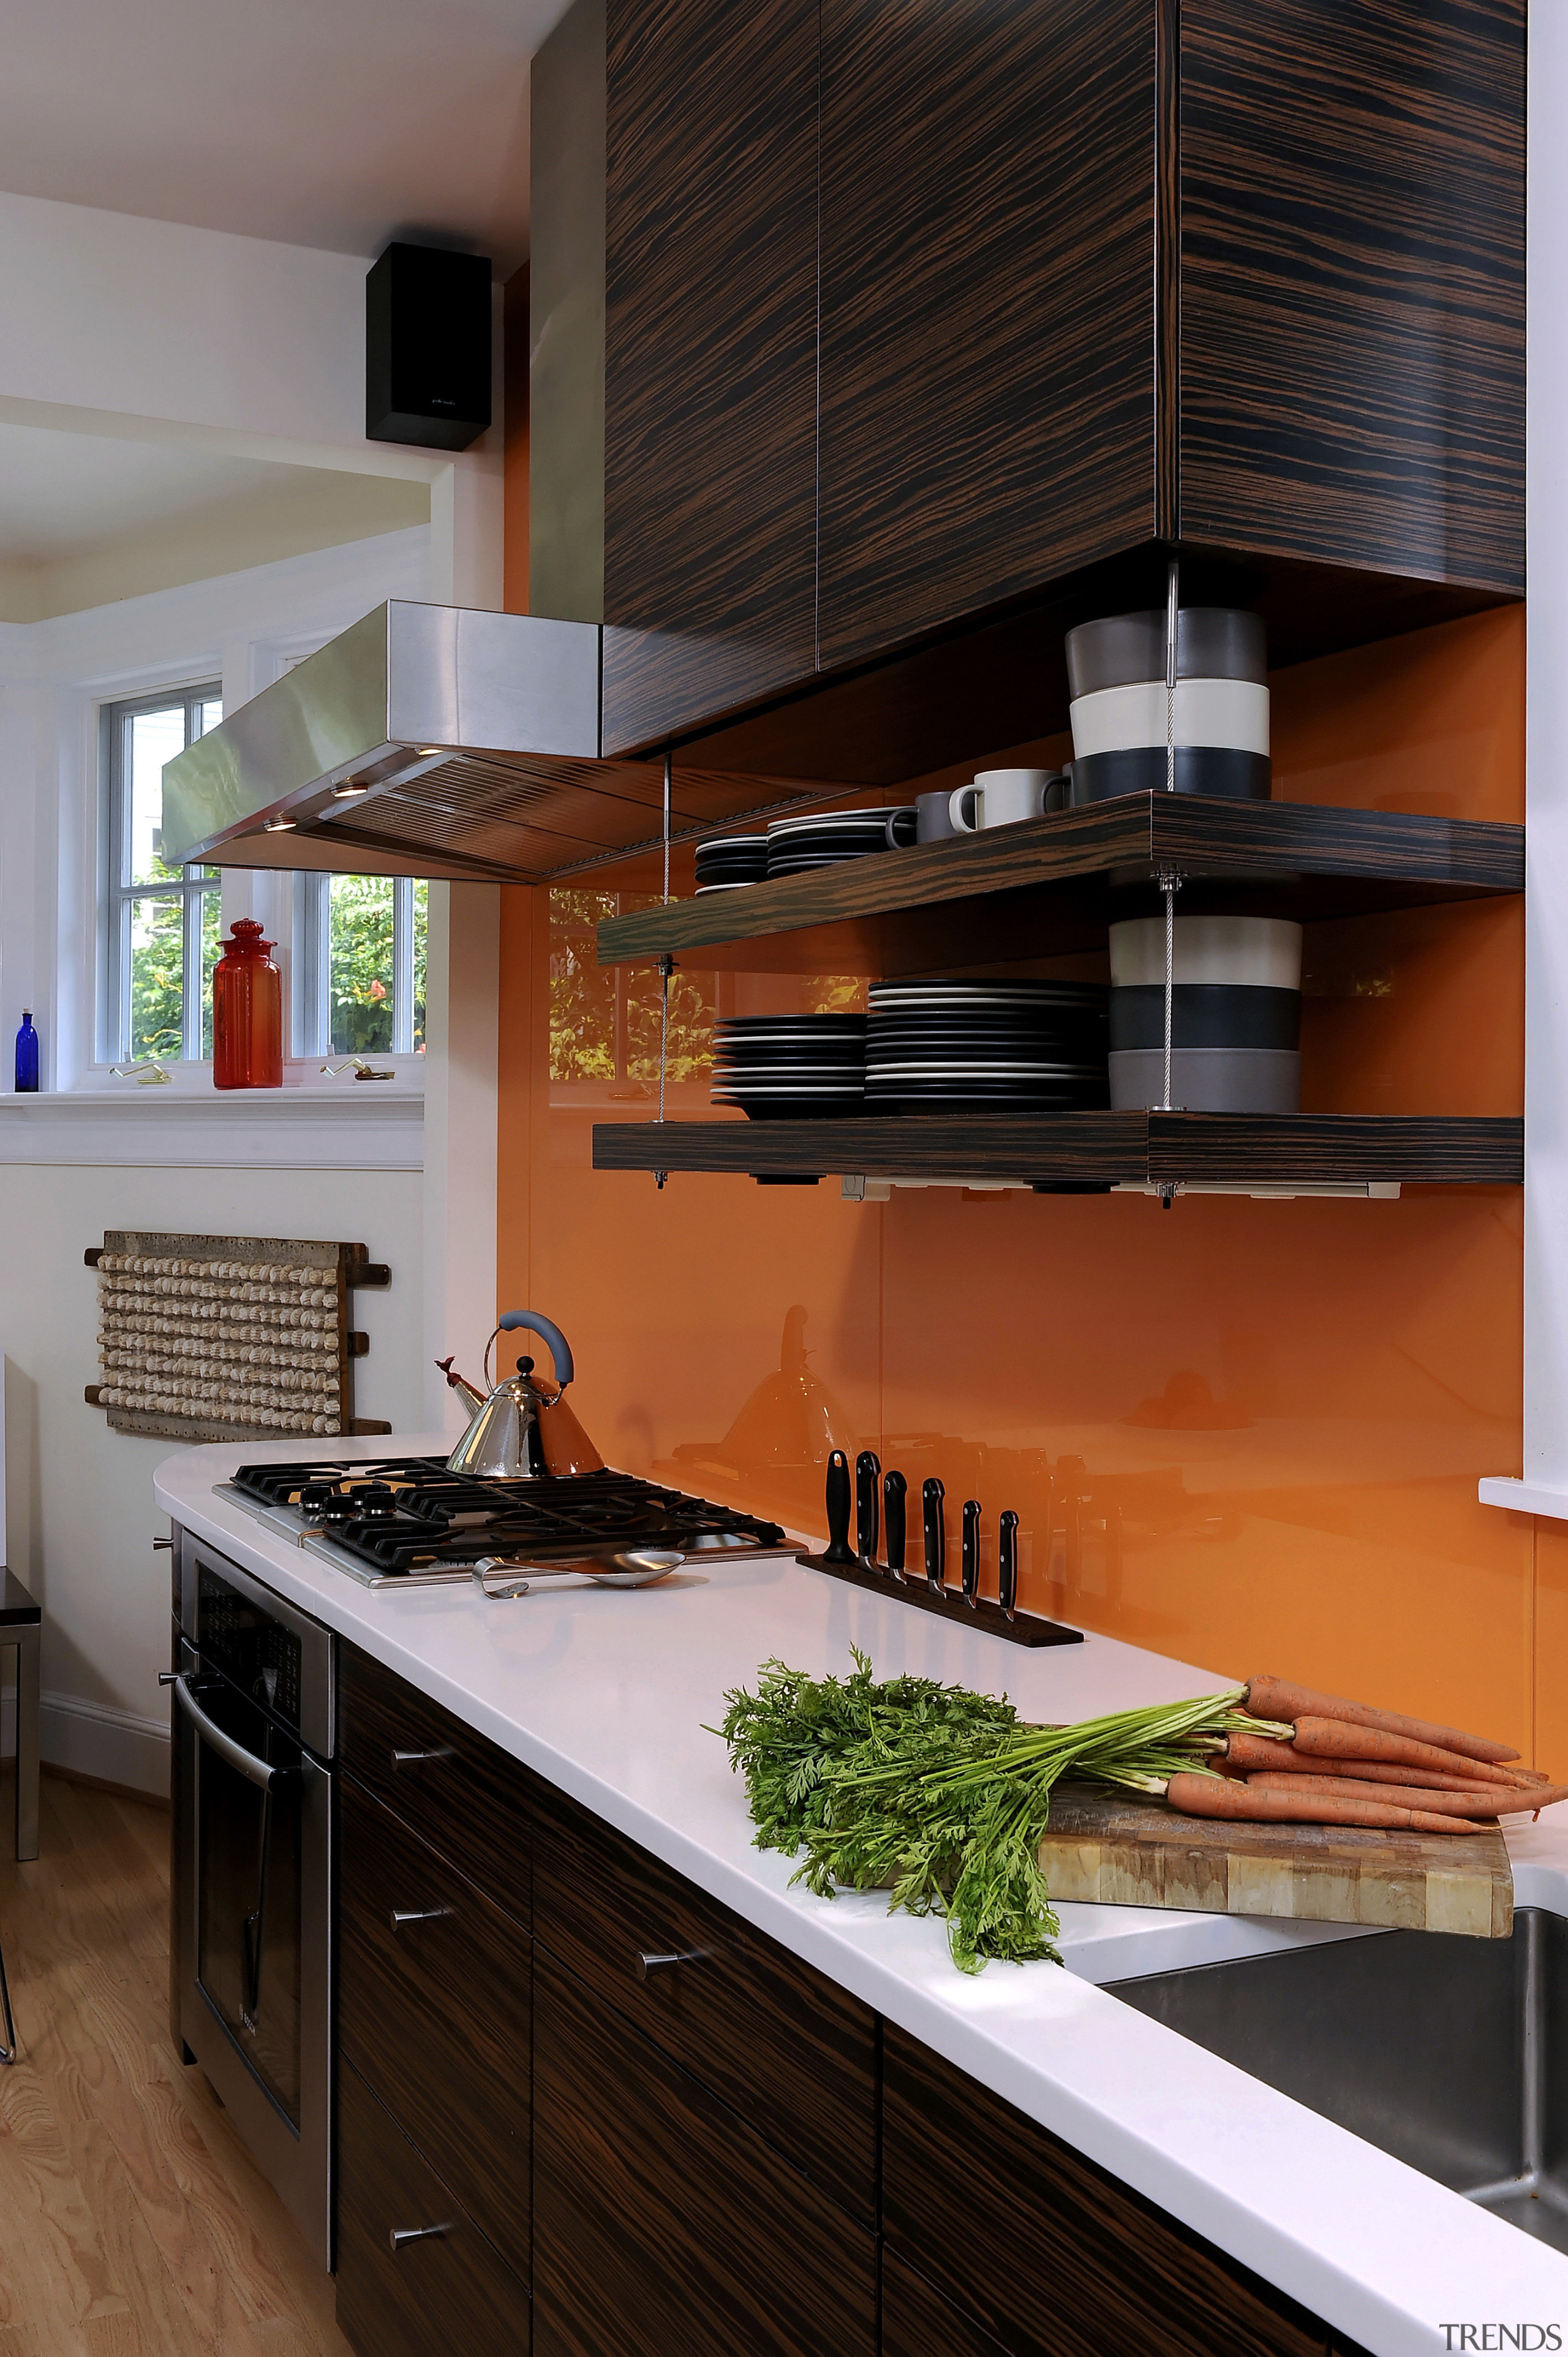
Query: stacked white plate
column 823, row 838
column 985, row 1047
column 1124, row 718
column 1235, row 1014
column 791, row 1066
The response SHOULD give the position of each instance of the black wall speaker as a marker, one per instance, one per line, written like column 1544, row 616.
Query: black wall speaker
column 427, row 348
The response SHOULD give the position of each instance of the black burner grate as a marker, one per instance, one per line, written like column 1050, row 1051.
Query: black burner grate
column 421, row 1517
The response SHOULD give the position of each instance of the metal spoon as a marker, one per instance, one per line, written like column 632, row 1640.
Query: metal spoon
column 628, row 1567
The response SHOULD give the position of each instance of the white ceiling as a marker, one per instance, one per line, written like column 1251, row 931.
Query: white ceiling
column 337, row 124
column 89, row 519
column 61, row 494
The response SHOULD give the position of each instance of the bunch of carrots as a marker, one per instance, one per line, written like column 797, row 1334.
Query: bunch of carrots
column 943, row 1796
column 1324, row 1760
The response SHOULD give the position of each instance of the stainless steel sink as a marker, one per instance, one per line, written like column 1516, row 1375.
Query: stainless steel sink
column 1450, row 2053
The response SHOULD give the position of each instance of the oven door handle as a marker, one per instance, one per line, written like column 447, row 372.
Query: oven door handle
column 259, row 1771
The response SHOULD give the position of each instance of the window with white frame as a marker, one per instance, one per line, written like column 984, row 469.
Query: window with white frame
column 158, row 924
column 356, row 960
column 358, row 965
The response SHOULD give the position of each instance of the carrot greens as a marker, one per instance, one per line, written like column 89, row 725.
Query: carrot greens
column 940, row 1795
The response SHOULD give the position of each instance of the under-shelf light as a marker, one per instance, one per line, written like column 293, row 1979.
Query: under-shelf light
column 855, row 1187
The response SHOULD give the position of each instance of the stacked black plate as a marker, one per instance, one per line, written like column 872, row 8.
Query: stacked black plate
column 823, row 838
column 791, row 1066
column 726, row 860
column 985, row 1046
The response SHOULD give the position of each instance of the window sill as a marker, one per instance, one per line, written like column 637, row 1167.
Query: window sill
column 346, row 1125
column 1544, row 1498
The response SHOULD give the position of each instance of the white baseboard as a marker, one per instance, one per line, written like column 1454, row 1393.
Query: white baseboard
column 92, row 1740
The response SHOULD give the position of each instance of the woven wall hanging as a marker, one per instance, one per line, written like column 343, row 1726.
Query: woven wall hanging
column 228, row 1338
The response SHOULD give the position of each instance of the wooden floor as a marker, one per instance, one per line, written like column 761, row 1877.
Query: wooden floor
column 132, row 2224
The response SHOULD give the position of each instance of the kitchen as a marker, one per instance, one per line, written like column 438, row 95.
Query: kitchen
column 1258, row 1397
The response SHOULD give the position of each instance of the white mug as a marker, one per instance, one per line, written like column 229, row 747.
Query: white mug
column 1001, row 797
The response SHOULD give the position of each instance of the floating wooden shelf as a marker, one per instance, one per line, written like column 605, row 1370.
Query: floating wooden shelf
column 1051, row 885
column 1089, row 1149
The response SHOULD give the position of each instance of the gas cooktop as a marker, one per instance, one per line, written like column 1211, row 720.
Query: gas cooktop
column 410, row 1521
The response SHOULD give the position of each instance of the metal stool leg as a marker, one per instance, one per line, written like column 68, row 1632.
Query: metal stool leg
column 27, row 1680
column 8, row 2051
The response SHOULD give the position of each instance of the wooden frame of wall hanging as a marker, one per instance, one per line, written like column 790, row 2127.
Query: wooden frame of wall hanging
column 228, row 1338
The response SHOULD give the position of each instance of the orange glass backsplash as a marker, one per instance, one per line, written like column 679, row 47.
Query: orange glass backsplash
column 1245, row 1433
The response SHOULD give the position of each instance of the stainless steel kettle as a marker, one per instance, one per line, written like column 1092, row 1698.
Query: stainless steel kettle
column 522, row 1429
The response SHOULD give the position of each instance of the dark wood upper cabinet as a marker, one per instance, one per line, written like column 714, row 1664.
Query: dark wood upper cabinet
column 710, row 357
column 933, row 325
column 1352, row 282
column 988, row 397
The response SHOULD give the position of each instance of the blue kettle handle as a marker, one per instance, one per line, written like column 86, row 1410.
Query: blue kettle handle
column 560, row 1349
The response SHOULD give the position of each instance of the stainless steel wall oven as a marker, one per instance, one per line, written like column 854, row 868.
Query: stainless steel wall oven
column 251, row 1969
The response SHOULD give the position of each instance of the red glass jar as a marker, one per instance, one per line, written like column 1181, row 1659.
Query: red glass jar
column 247, row 1013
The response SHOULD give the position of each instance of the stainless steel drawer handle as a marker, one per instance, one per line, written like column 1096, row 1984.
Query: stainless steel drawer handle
column 259, row 1771
column 647, row 1961
column 400, row 2235
column 417, row 1758
column 401, row 1915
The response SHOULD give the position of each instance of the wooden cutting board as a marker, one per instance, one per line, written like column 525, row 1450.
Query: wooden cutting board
column 1141, row 1854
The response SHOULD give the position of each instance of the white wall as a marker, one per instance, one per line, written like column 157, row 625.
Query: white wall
column 1543, row 1489
column 1546, row 779
column 146, row 330
column 346, row 1166
column 150, row 330
column 53, row 677
column 81, row 1520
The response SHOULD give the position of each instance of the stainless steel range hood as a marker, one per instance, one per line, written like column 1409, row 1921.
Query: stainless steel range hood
column 437, row 740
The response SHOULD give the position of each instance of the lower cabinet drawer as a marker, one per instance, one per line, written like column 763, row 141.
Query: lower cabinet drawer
column 663, row 2227
column 1047, row 2252
column 442, row 1777
column 776, row 2041
column 918, row 2322
column 447, row 2289
column 434, row 2003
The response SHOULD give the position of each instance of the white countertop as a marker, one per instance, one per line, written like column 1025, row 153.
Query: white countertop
column 607, row 1694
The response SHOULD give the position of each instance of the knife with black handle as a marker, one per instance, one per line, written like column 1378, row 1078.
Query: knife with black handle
column 1007, row 1563
column 894, row 1487
column 971, row 1573
column 867, row 1475
column 838, row 1548
column 932, row 1497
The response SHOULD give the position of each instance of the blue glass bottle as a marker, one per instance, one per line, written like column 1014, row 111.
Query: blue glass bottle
column 26, row 1056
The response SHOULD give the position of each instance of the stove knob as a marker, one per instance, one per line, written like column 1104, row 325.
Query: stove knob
column 316, row 1497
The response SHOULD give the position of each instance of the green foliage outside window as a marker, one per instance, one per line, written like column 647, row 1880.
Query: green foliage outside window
column 158, row 977
column 363, row 964
column 605, row 1021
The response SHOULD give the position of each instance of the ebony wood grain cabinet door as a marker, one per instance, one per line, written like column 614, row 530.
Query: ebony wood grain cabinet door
column 662, row 2227
column 780, row 2043
column 1352, row 282
column 1047, row 2253
column 988, row 203
column 415, row 2277
column 434, row 1992
column 710, row 357
column 451, row 1784
column 916, row 2321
